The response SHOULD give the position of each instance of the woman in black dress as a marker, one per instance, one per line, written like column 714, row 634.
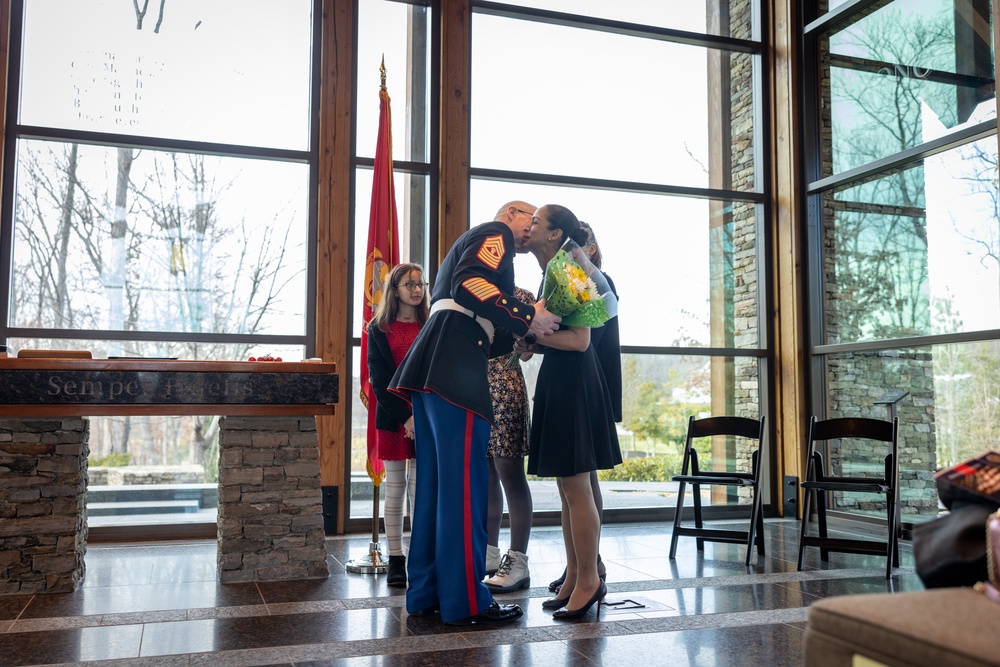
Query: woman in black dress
column 572, row 428
column 606, row 341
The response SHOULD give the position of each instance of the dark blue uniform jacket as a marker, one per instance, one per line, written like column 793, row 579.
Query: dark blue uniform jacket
column 451, row 352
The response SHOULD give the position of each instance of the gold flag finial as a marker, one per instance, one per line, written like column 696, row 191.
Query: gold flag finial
column 381, row 70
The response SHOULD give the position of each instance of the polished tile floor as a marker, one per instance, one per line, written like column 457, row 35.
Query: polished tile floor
column 160, row 604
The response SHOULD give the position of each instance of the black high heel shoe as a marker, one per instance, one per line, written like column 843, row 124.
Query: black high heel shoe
column 556, row 584
column 577, row 614
column 555, row 603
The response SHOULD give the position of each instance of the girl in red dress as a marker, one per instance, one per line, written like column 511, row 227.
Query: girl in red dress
column 404, row 308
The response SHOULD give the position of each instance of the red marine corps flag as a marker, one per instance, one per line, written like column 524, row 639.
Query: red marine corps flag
column 382, row 255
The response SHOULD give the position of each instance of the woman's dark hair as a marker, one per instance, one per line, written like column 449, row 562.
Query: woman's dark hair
column 596, row 258
column 563, row 219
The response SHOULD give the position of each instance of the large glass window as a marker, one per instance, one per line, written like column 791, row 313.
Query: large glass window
column 399, row 35
column 601, row 105
column 158, row 204
column 580, row 108
column 188, row 70
column 121, row 239
column 905, row 268
column 583, row 109
column 905, row 74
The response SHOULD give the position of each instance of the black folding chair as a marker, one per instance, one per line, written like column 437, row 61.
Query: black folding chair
column 820, row 481
column 692, row 474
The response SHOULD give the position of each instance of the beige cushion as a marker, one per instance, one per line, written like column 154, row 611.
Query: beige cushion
column 940, row 627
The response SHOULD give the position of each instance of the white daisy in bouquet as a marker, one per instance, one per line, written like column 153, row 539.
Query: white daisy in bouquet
column 576, row 290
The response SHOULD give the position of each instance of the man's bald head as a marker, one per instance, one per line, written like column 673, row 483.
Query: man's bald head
column 517, row 215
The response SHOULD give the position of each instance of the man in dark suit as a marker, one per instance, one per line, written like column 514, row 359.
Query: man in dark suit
column 444, row 375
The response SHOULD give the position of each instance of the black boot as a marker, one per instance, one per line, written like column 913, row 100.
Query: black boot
column 397, row 572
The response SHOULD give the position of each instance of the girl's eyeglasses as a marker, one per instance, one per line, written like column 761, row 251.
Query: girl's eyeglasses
column 412, row 286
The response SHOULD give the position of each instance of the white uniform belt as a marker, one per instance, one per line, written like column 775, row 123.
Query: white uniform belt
column 451, row 304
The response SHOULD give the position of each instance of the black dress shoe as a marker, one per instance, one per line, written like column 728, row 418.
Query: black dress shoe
column 577, row 614
column 556, row 584
column 495, row 613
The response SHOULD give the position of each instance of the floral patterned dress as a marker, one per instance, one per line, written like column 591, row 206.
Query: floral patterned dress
column 509, row 436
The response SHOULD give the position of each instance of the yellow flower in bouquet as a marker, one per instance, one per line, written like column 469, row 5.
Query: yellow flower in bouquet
column 572, row 294
column 576, row 291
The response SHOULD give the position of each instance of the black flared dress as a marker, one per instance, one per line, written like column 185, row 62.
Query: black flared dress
column 572, row 422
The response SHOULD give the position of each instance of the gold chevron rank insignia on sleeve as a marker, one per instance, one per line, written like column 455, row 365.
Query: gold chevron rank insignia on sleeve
column 481, row 288
column 492, row 251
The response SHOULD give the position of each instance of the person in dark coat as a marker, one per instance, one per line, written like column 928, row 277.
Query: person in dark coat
column 444, row 376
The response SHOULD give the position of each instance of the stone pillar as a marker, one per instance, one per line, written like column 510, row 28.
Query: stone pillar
column 270, row 502
column 43, row 504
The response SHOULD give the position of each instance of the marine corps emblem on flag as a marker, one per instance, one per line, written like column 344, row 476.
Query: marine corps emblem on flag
column 492, row 251
column 376, row 271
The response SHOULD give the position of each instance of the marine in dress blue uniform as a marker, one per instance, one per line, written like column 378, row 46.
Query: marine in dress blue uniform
column 444, row 375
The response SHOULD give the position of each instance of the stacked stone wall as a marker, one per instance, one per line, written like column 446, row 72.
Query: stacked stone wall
column 129, row 475
column 746, row 232
column 270, row 501
column 43, row 505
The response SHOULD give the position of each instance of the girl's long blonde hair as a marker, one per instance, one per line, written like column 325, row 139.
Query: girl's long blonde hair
column 388, row 309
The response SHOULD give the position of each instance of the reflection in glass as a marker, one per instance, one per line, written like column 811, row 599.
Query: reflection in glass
column 948, row 416
column 906, row 74
column 196, row 71
column 687, row 113
column 129, row 240
column 915, row 251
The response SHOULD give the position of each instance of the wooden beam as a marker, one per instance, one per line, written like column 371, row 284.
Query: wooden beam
column 333, row 224
column 456, row 73
column 788, row 316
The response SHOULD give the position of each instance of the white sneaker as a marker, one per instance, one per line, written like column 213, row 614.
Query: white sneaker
column 492, row 559
column 512, row 574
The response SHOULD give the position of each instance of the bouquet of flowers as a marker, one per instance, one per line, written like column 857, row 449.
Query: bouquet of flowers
column 576, row 291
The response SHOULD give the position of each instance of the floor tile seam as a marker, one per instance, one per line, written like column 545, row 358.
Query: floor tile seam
column 741, row 579
column 510, row 636
column 173, row 616
column 330, row 650
column 321, row 606
column 757, row 617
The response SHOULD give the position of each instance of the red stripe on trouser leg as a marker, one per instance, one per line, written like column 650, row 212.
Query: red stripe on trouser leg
column 470, row 568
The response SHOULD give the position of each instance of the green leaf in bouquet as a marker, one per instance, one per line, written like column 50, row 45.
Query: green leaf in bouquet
column 592, row 314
